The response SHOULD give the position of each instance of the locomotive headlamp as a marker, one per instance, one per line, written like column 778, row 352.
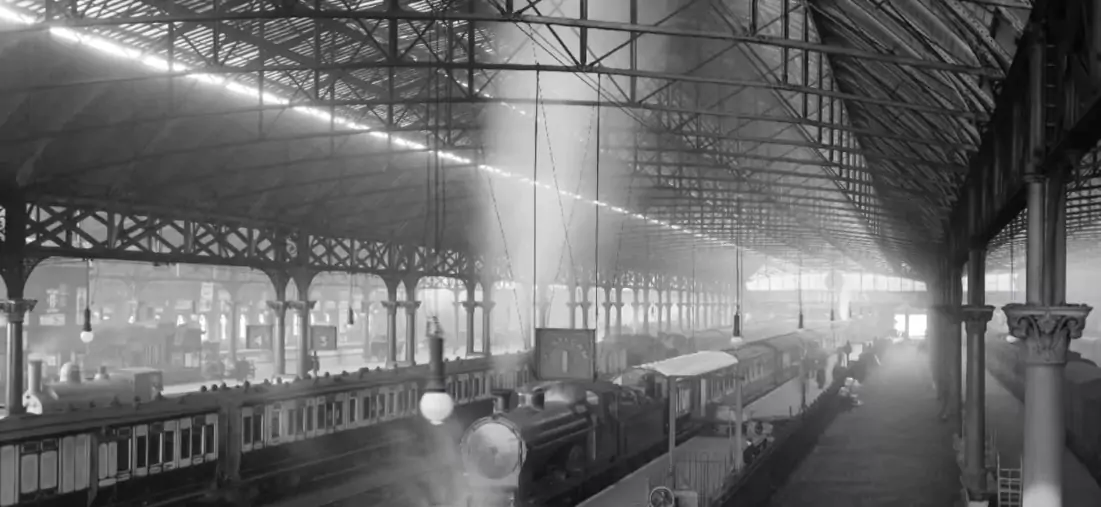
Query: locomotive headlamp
column 436, row 405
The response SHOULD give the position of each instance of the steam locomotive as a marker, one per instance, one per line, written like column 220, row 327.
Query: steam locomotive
column 562, row 434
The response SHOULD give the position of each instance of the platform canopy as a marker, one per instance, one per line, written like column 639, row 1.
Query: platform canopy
column 691, row 365
column 821, row 132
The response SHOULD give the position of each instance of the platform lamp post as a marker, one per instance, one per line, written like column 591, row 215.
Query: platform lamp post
column 436, row 405
column 86, row 334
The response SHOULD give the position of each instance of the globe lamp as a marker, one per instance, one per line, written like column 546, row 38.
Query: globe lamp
column 86, row 334
column 436, row 405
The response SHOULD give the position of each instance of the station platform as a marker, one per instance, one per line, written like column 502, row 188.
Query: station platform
column 1005, row 421
column 891, row 451
column 894, row 450
column 703, row 463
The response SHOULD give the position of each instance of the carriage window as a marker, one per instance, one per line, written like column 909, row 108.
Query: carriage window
column 274, row 423
column 380, row 404
column 367, row 408
column 168, row 446
column 185, row 443
column 401, row 402
column 197, row 436
column 390, row 403
column 155, row 446
column 141, row 442
column 352, row 406
column 210, row 439
column 477, row 386
column 257, row 425
column 330, row 415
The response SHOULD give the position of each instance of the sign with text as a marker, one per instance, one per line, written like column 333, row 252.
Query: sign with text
column 565, row 354
column 258, row 336
column 323, row 337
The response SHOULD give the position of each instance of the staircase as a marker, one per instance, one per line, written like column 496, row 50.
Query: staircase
column 1009, row 486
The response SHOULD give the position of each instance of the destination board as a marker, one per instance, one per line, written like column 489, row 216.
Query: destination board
column 565, row 354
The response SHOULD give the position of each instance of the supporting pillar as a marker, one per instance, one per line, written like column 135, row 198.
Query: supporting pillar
column 572, row 308
column 634, row 310
column 585, row 313
column 660, row 310
column 411, row 307
column 15, row 309
column 234, row 328
column 469, row 307
column 1046, row 323
column 279, row 334
column 303, row 307
column 975, row 317
column 391, row 305
column 456, row 307
column 365, row 320
column 487, row 323
column 607, row 310
column 278, row 307
column 680, row 310
column 646, row 311
column 619, row 311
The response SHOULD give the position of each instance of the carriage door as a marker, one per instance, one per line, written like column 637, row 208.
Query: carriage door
column 609, row 433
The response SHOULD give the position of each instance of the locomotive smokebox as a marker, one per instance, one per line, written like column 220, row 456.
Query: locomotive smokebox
column 501, row 400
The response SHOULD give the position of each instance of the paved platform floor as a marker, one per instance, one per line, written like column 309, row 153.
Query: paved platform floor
column 892, row 451
column 1005, row 418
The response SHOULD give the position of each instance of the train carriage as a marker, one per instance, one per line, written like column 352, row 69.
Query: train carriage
column 111, row 455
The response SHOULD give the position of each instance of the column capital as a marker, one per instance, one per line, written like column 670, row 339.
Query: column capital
column 277, row 306
column 585, row 304
column 469, row 305
column 16, row 309
column 487, row 305
column 1046, row 330
column 390, row 305
column 410, row 306
column 302, row 306
column 975, row 318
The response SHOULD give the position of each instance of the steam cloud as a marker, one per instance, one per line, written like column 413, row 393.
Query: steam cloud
column 555, row 143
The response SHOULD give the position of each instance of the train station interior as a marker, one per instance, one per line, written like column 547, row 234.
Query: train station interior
column 458, row 253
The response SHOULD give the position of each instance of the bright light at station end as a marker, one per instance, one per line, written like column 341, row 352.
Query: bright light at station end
column 155, row 62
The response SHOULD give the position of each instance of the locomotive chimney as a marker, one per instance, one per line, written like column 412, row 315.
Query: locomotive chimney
column 501, row 399
column 34, row 376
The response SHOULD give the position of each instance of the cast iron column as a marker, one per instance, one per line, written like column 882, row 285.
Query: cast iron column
column 1046, row 322
column 279, row 339
column 303, row 307
column 15, row 309
column 411, row 328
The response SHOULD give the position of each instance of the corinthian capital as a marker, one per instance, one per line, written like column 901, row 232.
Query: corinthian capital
column 975, row 318
column 1046, row 330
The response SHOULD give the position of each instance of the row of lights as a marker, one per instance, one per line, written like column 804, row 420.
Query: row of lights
column 112, row 48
